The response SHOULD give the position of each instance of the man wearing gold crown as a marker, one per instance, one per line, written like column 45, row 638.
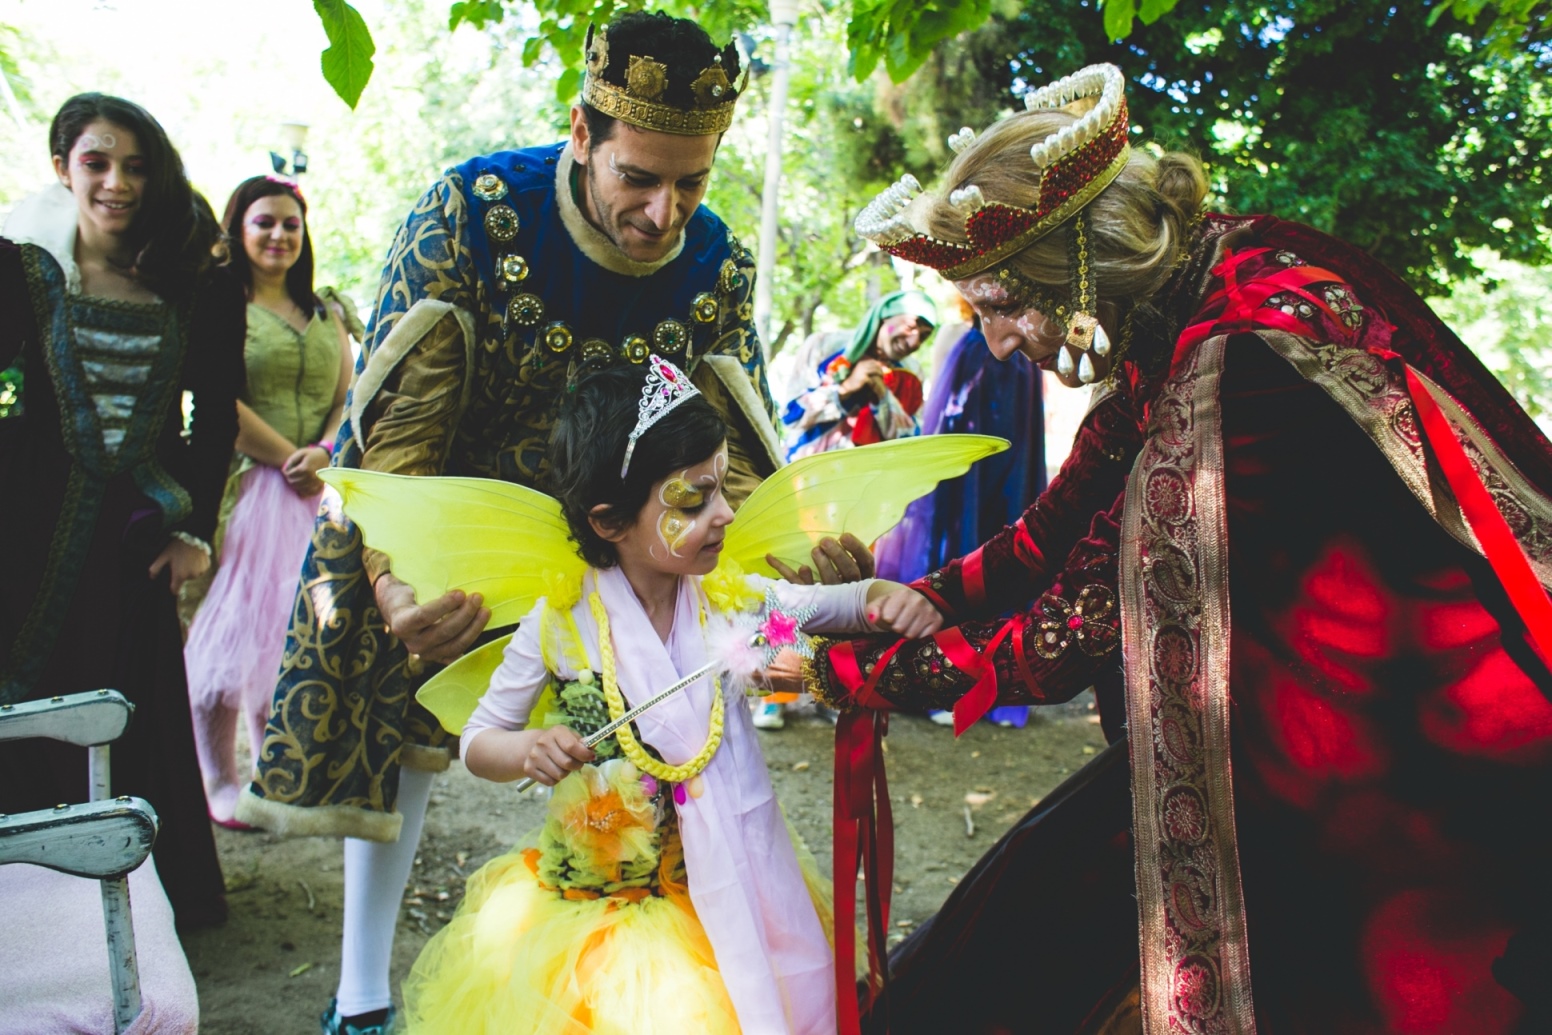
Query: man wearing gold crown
column 512, row 272
column 1319, row 533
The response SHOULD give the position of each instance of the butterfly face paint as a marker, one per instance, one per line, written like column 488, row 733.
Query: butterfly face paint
column 675, row 525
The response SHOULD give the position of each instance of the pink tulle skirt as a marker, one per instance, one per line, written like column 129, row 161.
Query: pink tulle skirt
column 235, row 642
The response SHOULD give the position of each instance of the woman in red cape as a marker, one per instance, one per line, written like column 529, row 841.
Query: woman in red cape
column 1299, row 549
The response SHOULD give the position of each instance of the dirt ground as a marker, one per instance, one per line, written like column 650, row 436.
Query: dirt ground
column 272, row 968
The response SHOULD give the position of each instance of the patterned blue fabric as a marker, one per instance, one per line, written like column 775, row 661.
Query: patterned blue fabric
column 488, row 238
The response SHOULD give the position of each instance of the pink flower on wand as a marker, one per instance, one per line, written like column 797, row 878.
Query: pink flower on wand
column 780, row 629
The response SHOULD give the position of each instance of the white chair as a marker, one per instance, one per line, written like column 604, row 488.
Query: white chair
column 54, row 977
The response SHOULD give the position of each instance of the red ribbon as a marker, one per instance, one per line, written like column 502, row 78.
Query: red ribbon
column 1503, row 551
column 864, row 832
column 981, row 697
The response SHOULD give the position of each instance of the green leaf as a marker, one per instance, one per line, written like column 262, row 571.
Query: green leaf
column 1118, row 18
column 568, row 86
column 347, row 64
column 532, row 47
column 1152, row 10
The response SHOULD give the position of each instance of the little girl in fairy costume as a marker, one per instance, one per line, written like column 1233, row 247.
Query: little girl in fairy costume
column 664, row 893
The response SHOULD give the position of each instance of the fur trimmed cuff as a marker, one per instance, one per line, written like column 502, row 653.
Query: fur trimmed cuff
column 317, row 821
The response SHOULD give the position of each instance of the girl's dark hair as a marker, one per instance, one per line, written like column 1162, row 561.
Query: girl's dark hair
column 299, row 278
column 588, row 446
column 175, row 231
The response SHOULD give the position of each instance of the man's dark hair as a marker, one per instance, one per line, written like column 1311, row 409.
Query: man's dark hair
column 679, row 43
column 587, row 447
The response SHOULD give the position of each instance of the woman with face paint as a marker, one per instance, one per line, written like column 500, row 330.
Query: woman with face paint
column 664, row 891
column 112, row 320
column 298, row 362
column 1300, row 549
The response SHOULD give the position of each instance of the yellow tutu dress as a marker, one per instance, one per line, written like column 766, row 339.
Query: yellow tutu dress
column 587, row 927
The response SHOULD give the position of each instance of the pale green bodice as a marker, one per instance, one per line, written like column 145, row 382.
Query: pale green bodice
column 291, row 376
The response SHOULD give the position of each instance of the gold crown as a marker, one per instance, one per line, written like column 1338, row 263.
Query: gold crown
column 640, row 103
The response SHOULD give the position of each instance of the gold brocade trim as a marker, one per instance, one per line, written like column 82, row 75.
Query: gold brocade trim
column 616, row 103
column 1376, row 398
column 1195, row 968
column 814, row 679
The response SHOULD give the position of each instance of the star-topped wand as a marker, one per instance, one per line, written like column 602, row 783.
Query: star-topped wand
column 749, row 643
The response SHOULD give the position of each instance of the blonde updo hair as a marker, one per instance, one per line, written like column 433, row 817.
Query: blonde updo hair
column 1139, row 224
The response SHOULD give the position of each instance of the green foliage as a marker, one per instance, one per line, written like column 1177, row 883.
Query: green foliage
column 347, row 64
column 904, row 32
column 1120, row 14
column 1513, row 23
column 1506, row 319
column 1355, row 116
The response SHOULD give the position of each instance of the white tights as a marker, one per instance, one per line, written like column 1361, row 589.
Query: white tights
column 375, row 876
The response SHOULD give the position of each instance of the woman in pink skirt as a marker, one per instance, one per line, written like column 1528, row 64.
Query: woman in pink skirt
column 298, row 361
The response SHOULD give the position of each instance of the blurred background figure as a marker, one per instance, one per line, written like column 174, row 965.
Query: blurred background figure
column 973, row 393
column 298, row 360
column 867, row 391
column 110, row 313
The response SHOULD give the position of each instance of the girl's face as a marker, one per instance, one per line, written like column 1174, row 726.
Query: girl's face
column 1012, row 324
column 107, row 174
column 680, row 529
column 272, row 234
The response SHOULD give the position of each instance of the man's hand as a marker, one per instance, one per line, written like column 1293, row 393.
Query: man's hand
column 182, row 560
column 846, row 560
column 906, row 613
column 558, row 751
column 439, row 631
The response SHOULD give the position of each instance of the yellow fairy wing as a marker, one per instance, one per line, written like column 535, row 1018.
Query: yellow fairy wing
column 863, row 491
column 452, row 693
column 479, row 535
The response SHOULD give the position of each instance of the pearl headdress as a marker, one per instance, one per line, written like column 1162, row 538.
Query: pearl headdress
column 667, row 386
column 1075, row 163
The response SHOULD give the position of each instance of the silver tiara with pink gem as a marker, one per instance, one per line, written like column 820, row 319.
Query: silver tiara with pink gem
column 667, row 386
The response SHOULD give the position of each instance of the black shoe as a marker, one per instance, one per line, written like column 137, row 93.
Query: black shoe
column 378, row 1022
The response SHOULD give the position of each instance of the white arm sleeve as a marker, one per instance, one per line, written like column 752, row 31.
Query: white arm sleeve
column 516, row 685
column 839, row 609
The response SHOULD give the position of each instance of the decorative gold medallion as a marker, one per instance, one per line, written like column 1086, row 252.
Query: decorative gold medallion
column 646, row 79
column 526, row 309
column 636, row 349
column 598, row 52
column 704, row 307
column 489, row 187
column 557, row 336
column 670, row 336
column 596, row 350
column 514, row 269
column 710, row 87
column 501, row 223
column 727, row 278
